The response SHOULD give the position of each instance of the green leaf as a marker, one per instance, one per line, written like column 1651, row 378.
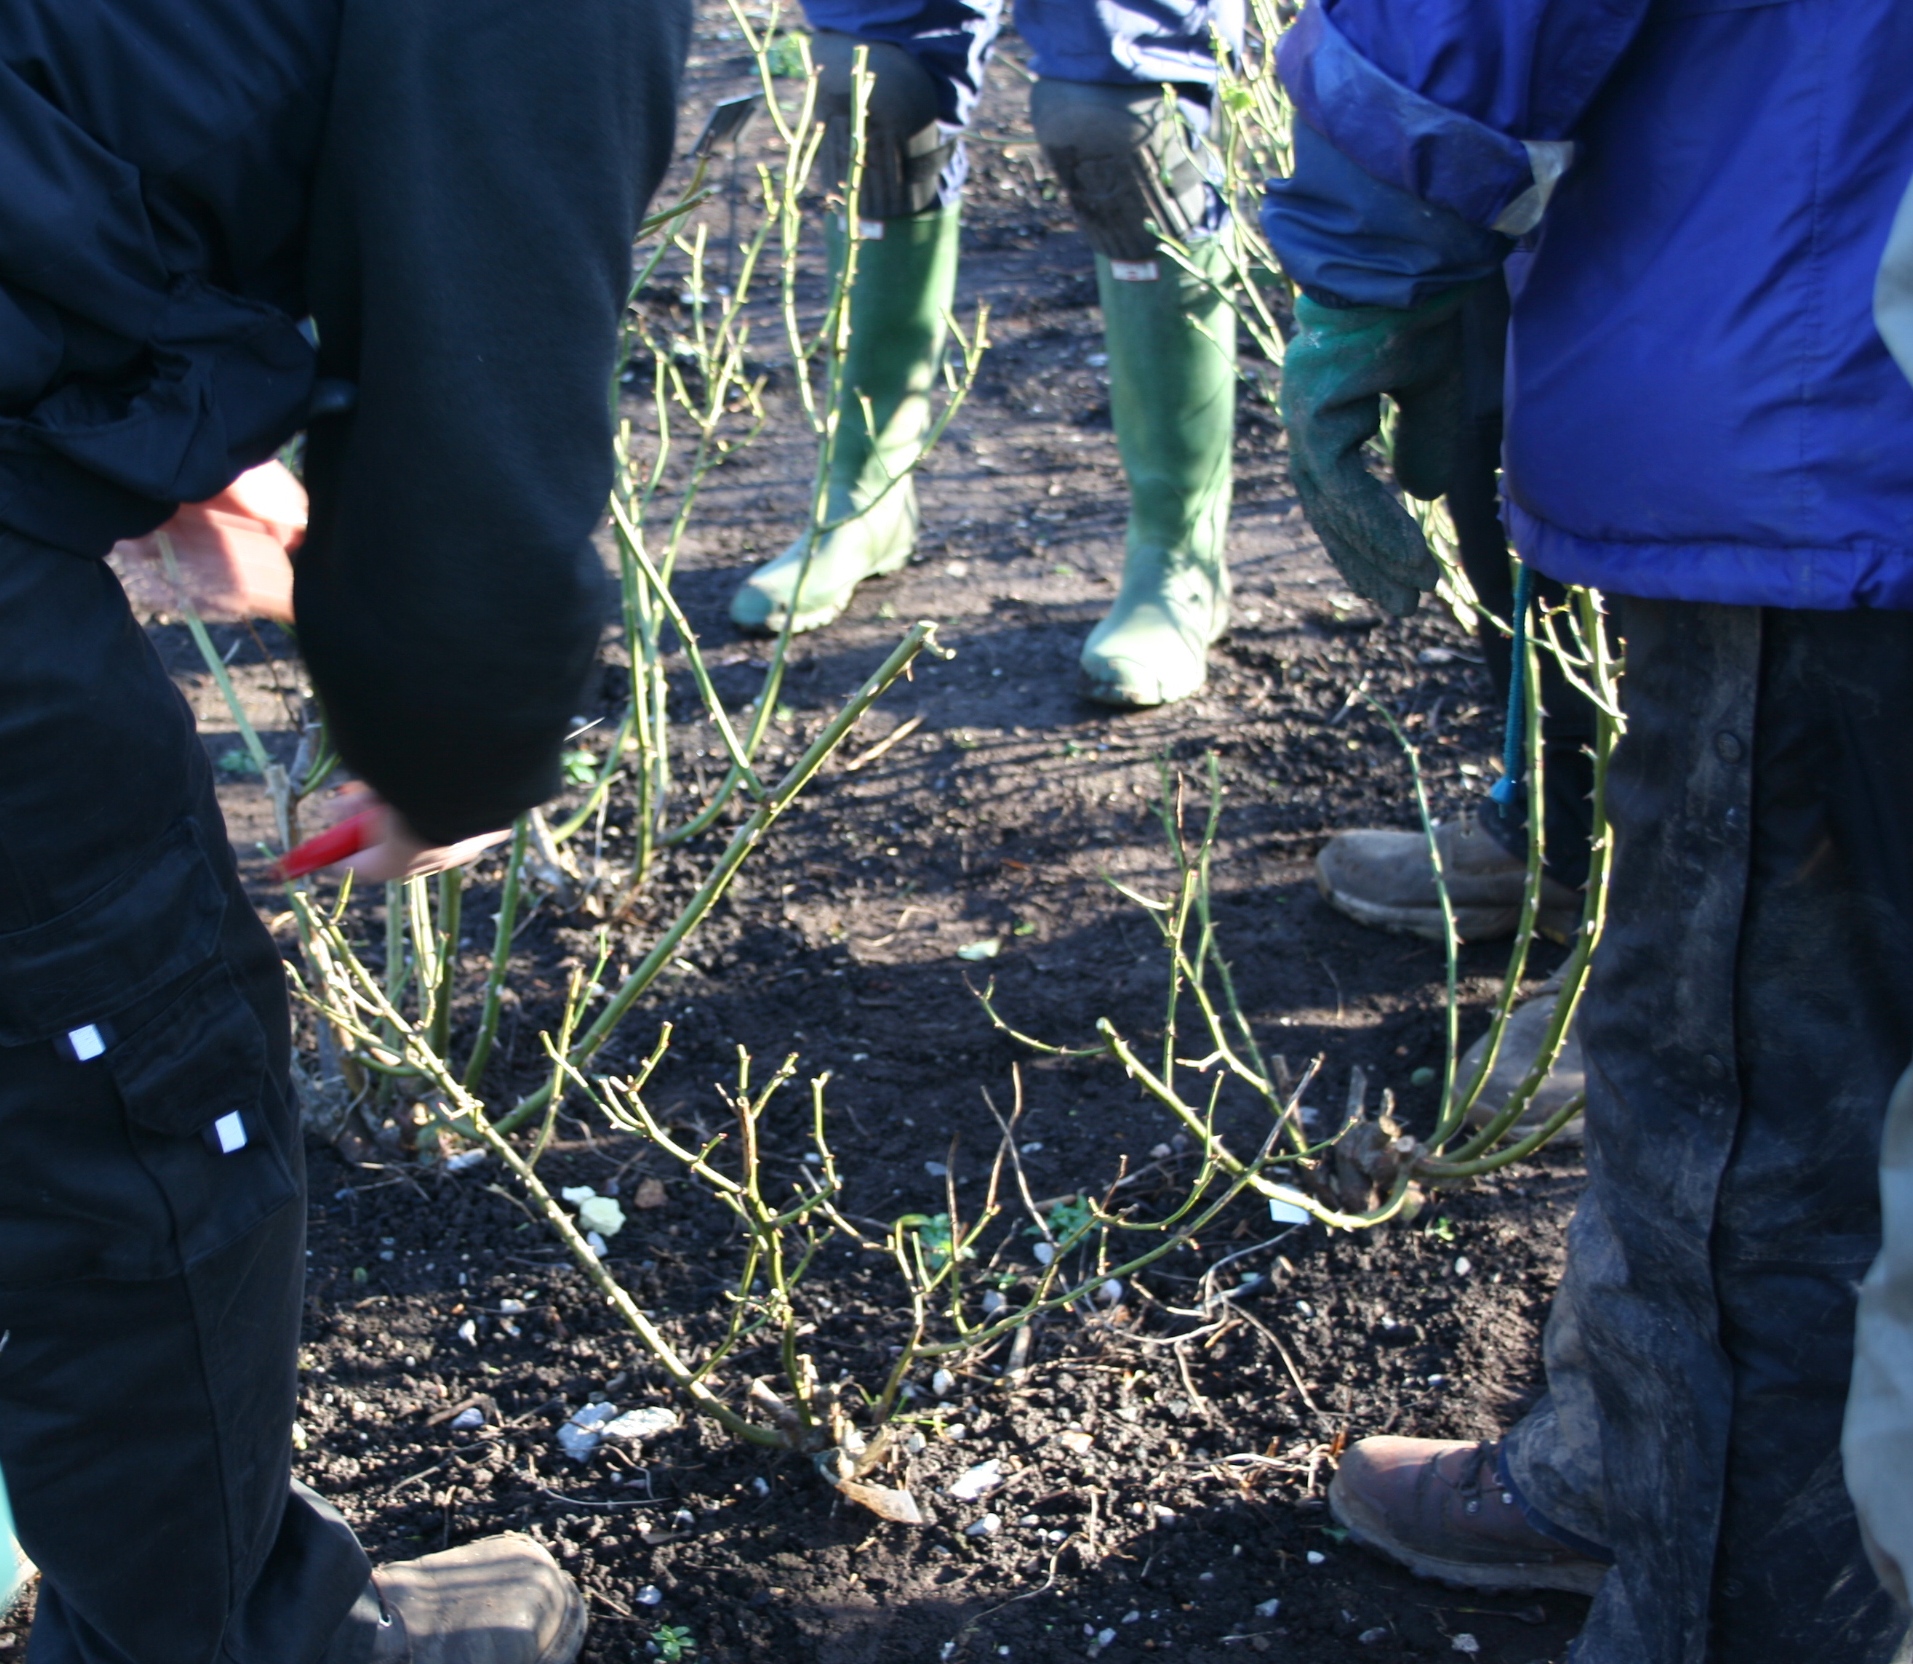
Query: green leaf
column 239, row 761
column 785, row 58
column 581, row 767
column 988, row 948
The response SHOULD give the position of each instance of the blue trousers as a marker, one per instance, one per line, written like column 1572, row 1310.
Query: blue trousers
column 1124, row 42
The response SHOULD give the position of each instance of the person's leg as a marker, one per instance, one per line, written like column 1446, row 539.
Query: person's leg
column 151, row 1204
column 926, row 66
column 1134, row 170
column 1749, row 1012
column 1823, row 1022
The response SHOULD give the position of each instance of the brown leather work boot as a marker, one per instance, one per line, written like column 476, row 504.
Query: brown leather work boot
column 501, row 1600
column 1437, row 1507
column 1386, row 879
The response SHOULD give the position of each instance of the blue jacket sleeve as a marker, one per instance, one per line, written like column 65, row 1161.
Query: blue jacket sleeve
column 1463, row 107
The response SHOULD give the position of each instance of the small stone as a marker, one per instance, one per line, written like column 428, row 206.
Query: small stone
column 635, row 1426
column 468, row 1331
column 1463, row 1266
column 1110, row 1292
column 576, row 1193
column 1268, row 1608
column 994, row 1300
column 468, row 1421
column 976, row 1482
column 1316, row 1557
column 1465, row 1642
column 601, row 1216
column 943, row 1383
column 650, row 1595
column 597, row 1244
column 1369, row 1637
column 1045, row 1252
column 1076, row 1440
column 987, row 1525
column 583, row 1430
column 761, row 1485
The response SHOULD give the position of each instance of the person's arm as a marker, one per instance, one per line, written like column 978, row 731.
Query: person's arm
column 486, row 167
column 1428, row 136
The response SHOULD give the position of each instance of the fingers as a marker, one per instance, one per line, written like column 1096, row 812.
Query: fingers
column 398, row 852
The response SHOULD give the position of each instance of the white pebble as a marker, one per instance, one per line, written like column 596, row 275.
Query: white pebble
column 650, row 1595
column 1463, row 1265
column 977, row 1481
column 1268, row 1608
column 943, row 1383
column 1045, row 1252
column 466, row 1420
column 987, row 1525
column 1316, row 1557
column 1465, row 1642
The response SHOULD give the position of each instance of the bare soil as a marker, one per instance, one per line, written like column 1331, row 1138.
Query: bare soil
column 1160, row 1497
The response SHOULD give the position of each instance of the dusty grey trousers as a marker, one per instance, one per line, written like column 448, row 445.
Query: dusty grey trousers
column 1750, row 1010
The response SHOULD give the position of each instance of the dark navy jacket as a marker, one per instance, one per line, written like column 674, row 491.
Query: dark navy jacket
column 1699, row 406
column 449, row 189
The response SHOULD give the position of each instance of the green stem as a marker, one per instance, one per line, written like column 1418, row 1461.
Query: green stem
column 501, row 954
column 451, row 898
column 747, row 837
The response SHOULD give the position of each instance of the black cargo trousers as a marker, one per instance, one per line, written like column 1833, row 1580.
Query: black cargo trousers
column 152, row 1198
column 1750, row 1010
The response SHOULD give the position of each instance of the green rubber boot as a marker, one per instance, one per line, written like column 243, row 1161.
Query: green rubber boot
column 906, row 282
column 1172, row 395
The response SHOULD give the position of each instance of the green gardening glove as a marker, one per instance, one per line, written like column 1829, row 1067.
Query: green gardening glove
column 1340, row 363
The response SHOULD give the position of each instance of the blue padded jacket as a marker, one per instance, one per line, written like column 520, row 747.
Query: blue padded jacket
column 1699, row 405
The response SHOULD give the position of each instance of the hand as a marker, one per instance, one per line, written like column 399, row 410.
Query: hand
column 396, row 850
column 232, row 552
column 1341, row 362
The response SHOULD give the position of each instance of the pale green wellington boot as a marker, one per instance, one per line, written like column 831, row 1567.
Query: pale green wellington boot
column 905, row 284
column 1172, row 397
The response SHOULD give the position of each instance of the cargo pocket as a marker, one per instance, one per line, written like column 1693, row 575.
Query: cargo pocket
column 206, row 1117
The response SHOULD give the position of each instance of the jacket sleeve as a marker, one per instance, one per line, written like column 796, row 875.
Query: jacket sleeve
column 1430, row 134
column 485, row 169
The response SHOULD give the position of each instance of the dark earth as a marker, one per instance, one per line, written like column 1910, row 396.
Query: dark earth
column 1162, row 1497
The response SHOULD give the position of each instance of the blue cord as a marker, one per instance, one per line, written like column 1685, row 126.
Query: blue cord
column 1510, row 782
